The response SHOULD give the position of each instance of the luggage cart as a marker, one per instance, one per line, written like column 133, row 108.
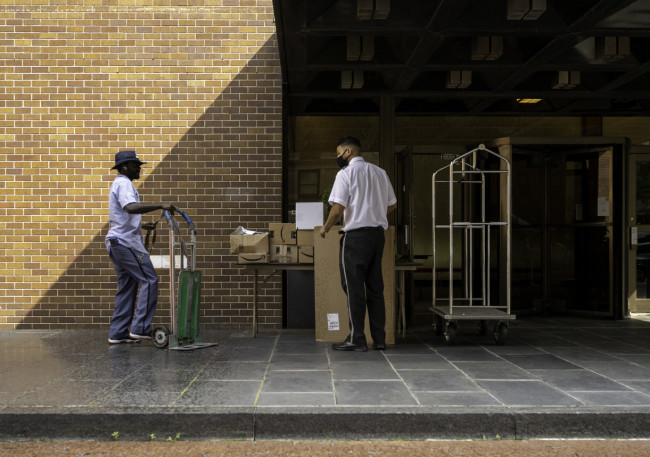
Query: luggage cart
column 474, row 231
column 183, row 334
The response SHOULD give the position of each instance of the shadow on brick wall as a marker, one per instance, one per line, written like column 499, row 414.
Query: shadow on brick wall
column 225, row 171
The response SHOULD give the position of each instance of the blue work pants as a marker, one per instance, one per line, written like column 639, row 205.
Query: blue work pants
column 133, row 268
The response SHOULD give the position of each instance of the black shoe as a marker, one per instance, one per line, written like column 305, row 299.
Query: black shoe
column 379, row 346
column 347, row 346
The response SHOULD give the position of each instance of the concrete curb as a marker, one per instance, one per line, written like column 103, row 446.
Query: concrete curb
column 322, row 423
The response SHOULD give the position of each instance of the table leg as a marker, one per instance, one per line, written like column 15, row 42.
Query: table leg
column 254, row 303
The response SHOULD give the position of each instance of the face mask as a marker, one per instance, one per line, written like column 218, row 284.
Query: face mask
column 341, row 162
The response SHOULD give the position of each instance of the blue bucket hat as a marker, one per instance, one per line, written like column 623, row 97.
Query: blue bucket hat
column 126, row 156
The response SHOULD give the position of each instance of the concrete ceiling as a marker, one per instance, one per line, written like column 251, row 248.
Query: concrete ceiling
column 466, row 57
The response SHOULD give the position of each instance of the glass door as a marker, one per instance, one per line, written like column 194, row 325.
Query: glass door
column 639, row 230
column 561, row 229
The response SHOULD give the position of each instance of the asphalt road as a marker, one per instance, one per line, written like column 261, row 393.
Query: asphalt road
column 491, row 448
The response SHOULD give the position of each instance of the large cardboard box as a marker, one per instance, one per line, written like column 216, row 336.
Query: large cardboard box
column 258, row 242
column 331, row 301
column 306, row 237
column 282, row 233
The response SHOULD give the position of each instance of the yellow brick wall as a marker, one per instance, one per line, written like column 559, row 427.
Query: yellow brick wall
column 194, row 86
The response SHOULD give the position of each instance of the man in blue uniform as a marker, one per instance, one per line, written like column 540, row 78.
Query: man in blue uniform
column 131, row 321
column 363, row 195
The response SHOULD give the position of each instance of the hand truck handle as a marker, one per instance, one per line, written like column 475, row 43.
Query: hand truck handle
column 186, row 217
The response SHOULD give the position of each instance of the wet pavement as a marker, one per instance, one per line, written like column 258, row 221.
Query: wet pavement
column 554, row 378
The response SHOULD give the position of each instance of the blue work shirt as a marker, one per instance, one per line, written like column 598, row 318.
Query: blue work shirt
column 124, row 227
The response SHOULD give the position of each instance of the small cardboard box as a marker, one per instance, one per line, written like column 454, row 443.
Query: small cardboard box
column 258, row 242
column 305, row 254
column 282, row 233
column 332, row 324
column 253, row 257
column 283, row 253
column 306, row 237
column 309, row 215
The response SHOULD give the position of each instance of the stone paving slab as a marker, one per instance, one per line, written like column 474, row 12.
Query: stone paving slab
column 591, row 380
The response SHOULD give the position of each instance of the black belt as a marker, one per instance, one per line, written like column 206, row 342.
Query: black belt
column 362, row 229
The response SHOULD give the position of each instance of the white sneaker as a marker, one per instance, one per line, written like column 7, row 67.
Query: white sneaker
column 123, row 340
column 139, row 337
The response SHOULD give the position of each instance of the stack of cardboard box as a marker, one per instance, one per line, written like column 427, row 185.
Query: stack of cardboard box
column 306, row 246
column 283, row 241
column 308, row 216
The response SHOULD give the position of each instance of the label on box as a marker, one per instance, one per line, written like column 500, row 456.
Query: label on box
column 333, row 322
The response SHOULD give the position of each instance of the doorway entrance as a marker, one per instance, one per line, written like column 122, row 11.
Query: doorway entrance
column 639, row 230
column 566, row 228
column 567, row 224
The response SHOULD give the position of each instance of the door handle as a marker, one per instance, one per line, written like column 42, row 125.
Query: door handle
column 634, row 237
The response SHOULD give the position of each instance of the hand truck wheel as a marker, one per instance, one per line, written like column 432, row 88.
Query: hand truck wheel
column 160, row 337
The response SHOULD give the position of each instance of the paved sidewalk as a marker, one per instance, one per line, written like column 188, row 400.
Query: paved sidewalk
column 562, row 377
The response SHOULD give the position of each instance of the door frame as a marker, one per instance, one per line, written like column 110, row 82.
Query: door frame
column 634, row 304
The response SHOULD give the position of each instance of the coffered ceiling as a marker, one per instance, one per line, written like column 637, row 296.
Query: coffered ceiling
column 466, row 57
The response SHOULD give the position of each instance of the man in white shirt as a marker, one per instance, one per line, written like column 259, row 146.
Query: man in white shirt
column 363, row 195
column 130, row 323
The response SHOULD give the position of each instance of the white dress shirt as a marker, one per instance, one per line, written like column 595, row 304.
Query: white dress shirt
column 365, row 192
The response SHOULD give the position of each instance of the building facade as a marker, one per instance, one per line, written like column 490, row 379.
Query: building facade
column 236, row 106
column 193, row 86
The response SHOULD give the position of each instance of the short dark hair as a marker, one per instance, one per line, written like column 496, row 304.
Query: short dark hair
column 349, row 141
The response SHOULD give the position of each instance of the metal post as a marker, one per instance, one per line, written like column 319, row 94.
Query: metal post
column 254, row 303
column 172, row 279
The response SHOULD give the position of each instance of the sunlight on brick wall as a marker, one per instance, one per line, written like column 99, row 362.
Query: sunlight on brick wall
column 195, row 88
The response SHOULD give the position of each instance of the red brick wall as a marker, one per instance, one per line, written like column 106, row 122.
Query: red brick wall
column 194, row 86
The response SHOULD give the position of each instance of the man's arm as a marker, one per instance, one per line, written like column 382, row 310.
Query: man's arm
column 141, row 208
column 391, row 208
column 336, row 213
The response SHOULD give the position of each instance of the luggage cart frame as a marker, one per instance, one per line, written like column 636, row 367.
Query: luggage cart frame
column 472, row 305
column 183, row 334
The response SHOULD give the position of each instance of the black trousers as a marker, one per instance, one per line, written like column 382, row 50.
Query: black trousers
column 362, row 281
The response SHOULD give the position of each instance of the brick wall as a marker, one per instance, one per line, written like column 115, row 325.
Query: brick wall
column 194, row 86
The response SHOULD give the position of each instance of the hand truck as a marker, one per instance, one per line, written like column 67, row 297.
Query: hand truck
column 183, row 334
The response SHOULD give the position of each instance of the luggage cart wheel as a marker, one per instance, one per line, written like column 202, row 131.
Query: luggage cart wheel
column 501, row 333
column 160, row 337
column 482, row 327
column 450, row 332
column 438, row 326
